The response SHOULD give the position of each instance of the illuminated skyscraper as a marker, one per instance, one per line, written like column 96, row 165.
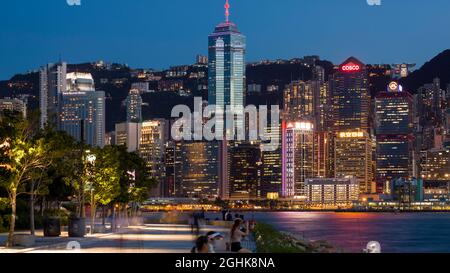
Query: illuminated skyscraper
column 447, row 123
column 319, row 74
column 134, row 106
column 79, row 82
column 226, row 83
column 82, row 110
column 52, row 82
column 351, row 97
column 435, row 169
column 323, row 165
column 199, row 169
column 323, row 107
column 431, row 104
column 353, row 146
column 394, row 111
column 395, row 142
column 297, row 157
column 438, row 99
column 245, row 171
column 154, row 134
column 173, row 163
column 128, row 134
column 353, row 157
column 271, row 168
column 299, row 100
column 226, row 66
column 310, row 101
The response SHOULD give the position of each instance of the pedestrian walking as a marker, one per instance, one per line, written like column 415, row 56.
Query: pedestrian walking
column 197, row 223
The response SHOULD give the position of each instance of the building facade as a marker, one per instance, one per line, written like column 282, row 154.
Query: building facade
column 394, row 124
column 299, row 102
column 81, row 110
column 128, row 134
column 13, row 105
column 134, row 106
column 245, row 171
column 52, row 82
column 353, row 158
column 226, row 67
column 153, row 136
column 332, row 192
column 199, row 175
column 297, row 157
column 226, row 85
column 351, row 97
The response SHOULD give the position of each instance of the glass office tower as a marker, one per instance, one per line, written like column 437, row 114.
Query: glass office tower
column 226, row 86
column 394, row 131
column 226, row 67
column 351, row 98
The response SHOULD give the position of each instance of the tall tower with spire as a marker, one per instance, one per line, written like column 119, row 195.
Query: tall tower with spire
column 226, row 64
column 226, row 82
column 227, row 12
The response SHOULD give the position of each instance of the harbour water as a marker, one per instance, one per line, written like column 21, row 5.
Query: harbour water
column 397, row 233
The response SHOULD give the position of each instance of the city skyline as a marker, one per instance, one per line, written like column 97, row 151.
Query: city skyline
column 327, row 128
column 145, row 38
column 138, row 157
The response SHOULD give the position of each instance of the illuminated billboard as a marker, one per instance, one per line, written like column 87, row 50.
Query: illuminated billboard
column 351, row 65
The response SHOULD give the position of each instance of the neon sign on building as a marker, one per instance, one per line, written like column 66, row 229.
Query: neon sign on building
column 351, row 134
column 305, row 126
column 351, row 67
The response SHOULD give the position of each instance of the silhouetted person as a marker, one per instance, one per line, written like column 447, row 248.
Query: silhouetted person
column 224, row 215
column 229, row 216
column 197, row 223
column 202, row 214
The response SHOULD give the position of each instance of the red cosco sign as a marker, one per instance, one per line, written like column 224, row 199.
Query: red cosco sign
column 350, row 67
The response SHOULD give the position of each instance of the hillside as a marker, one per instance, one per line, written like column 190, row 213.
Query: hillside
column 439, row 67
column 116, row 81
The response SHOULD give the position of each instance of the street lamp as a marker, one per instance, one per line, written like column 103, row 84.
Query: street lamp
column 91, row 160
column 5, row 145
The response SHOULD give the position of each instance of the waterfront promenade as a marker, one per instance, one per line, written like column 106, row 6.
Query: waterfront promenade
column 149, row 238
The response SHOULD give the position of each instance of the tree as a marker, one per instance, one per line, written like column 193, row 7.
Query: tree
column 69, row 167
column 104, row 176
column 59, row 146
column 22, row 156
column 135, row 181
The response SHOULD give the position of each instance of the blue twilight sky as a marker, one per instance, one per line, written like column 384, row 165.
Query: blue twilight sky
column 159, row 33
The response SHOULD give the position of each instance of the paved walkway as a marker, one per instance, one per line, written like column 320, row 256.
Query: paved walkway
column 43, row 243
column 150, row 238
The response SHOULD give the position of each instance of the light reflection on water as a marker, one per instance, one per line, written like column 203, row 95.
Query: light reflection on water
column 403, row 232
column 397, row 233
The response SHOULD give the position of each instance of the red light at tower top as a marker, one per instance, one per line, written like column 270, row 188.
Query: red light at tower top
column 351, row 67
column 227, row 11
